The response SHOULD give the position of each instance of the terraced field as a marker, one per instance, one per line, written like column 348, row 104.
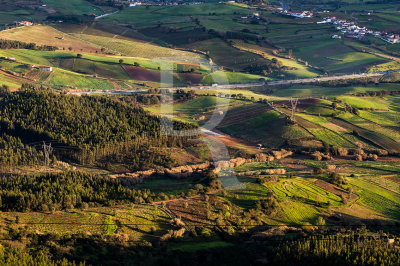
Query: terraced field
column 136, row 221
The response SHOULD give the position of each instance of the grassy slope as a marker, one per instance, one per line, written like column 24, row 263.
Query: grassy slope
column 46, row 35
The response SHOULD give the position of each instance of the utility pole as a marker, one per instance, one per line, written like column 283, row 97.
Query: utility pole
column 47, row 151
column 294, row 103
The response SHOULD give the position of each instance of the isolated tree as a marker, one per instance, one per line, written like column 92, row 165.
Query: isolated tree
column 79, row 55
column 121, row 61
column 4, row 90
column 320, row 221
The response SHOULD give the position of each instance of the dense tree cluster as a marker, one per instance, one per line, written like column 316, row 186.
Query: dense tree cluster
column 84, row 129
column 65, row 191
column 13, row 256
column 139, row 98
column 182, row 96
column 10, row 44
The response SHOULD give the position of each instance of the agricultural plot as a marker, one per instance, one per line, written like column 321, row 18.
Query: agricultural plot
column 320, row 50
column 9, row 16
column 171, row 186
column 296, row 69
column 145, row 16
column 84, row 66
column 378, row 139
column 10, row 81
column 47, row 35
column 257, row 125
column 30, row 56
column 301, row 91
column 137, row 221
column 38, row 75
column 391, row 182
column 300, row 200
column 386, row 119
column 258, row 166
column 331, row 137
column 377, row 198
column 353, row 62
column 328, row 132
column 204, row 106
column 372, row 126
column 136, row 48
column 225, row 77
column 226, row 55
column 393, row 65
column 138, row 73
column 369, row 102
column 304, row 190
column 13, row 67
column 63, row 78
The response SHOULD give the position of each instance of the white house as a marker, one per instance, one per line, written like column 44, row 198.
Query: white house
column 45, row 68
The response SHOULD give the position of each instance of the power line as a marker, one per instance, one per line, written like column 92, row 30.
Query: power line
column 47, row 151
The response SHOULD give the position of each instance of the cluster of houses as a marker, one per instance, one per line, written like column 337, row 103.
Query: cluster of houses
column 25, row 23
column 296, row 14
column 351, row 30
column 133, row 3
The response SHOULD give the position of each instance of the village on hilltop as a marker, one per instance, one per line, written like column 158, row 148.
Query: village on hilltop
column 351, row 30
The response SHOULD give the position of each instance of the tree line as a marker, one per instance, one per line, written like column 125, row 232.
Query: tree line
column 10, row 44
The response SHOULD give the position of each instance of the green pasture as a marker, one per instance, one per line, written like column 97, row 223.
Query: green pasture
column 73, row 7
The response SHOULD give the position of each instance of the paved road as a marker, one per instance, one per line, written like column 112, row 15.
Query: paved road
column 105, row 15
column 244, row 85
column 314, row 80
column 105, row 92
column 211, row 133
